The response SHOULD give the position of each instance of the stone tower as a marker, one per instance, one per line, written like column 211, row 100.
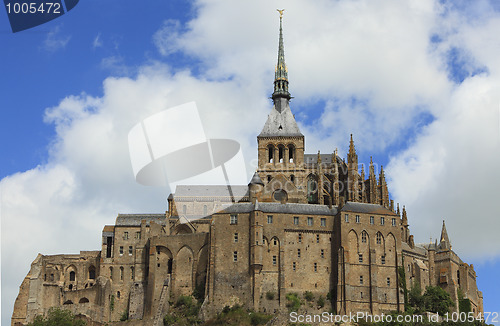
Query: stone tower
column 281, row 144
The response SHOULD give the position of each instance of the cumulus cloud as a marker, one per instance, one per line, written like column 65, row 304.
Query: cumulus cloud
column 372, row 68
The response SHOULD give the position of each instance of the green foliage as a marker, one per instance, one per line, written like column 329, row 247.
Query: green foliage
column 464, row 304
column 57, row 317
column 112, row 302
column 309, row 296
column 437, row 300
column 402, row 284
column 184, row 300
column 293, row 301
column 237, row 315
column 321, row 301
column 270, row 295
column 124, row 316
column 169, row 320
column 416, row 299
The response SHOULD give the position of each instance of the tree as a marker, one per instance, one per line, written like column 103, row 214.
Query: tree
column 57, row 317
column 437, row 300
column 416, row 299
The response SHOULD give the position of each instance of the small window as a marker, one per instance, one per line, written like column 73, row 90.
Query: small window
column 317, row 238
column 92, row 273
column 269, row 219
column 294, row 266
column 360, row 258
column 72, row 276
column 269, row 178
column 361, row 279
column 292, row 177
column 274, row 260
column 234, row 219
column 315, row 267
column 382, row 259
column 235, row 256
column 372, row 220
column 322, row 253
column 358, row 219
column 309, row 221
column 296, row 220
column 361, row 295
column 118, row 295
column 379, row 238
column 121, row 273
column 393, row 221
column 236, row 237
column 388, row 281
column 138, row 235
column 346, row 218
column 121, row 250
column 300, row 237
column 275, row 242
column 111, row 272
column 125, row 235
column 363, row 237
column 382, row 220
column 130, row 250
column 298, row 253
column 132, row 273
column 323, row 222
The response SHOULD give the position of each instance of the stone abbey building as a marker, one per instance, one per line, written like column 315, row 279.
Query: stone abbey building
column 305, row 222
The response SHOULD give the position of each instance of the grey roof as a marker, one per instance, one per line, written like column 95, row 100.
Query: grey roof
column 210, row 191
column 325, row 158
column 419, row 249
column 367, row 208
column 287, row 208
column 135, row 219
column 256, row 180
column 280, row 122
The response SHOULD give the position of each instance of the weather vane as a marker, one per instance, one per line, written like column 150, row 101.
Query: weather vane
column 281, row 12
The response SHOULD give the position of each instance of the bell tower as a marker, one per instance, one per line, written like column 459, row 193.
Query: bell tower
column 281, row 144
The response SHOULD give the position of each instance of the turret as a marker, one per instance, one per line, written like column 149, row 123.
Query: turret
column 255, row 187
column 384, row 192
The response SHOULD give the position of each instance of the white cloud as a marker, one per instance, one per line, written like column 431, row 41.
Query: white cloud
column 97, row 41
column 55, row 40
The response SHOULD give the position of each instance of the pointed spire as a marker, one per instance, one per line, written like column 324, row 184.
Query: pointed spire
column 445, row 241
column 381, row 176
column 256, row 180
column 372, row 169
column 405, row 217
column 352, row 157
column 281, row 72
column 362, row 172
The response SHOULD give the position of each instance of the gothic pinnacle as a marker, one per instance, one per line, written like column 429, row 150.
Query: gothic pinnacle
column 281, row 72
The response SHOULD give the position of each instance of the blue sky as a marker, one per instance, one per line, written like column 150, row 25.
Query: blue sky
column 417, row 84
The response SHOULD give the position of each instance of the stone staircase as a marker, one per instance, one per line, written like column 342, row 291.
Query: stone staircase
column 165, row 294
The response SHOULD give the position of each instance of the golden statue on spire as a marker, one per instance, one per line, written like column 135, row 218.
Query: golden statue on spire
column 281, row 12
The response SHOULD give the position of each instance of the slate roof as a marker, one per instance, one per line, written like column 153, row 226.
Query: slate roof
column 288, row 208
column 280, row 122
column 367, row 208
column 325, row 158
column 135, row 219
column 210, row 191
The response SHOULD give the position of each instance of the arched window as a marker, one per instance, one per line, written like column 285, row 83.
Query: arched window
column 111, row 273
column 363, row 237
column 292, row 178
column 132, row 273
column 72, row 276
column 270, row 153
column 83, row 300
column 92, row 273
column 312, row 189
column 379, row 238
column 281, row 153
column 291, row 153
column 121, row 273
column 68, row 302
column 118, row 295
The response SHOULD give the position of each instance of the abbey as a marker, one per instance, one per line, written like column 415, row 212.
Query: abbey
column 305, row 222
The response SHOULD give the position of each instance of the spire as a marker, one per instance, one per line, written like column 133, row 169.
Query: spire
column 445, row 241
column 372, row 169
column 281, row 72
column 352, row 157
column 256, row 180
column 405, row 217
column 381, row 176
